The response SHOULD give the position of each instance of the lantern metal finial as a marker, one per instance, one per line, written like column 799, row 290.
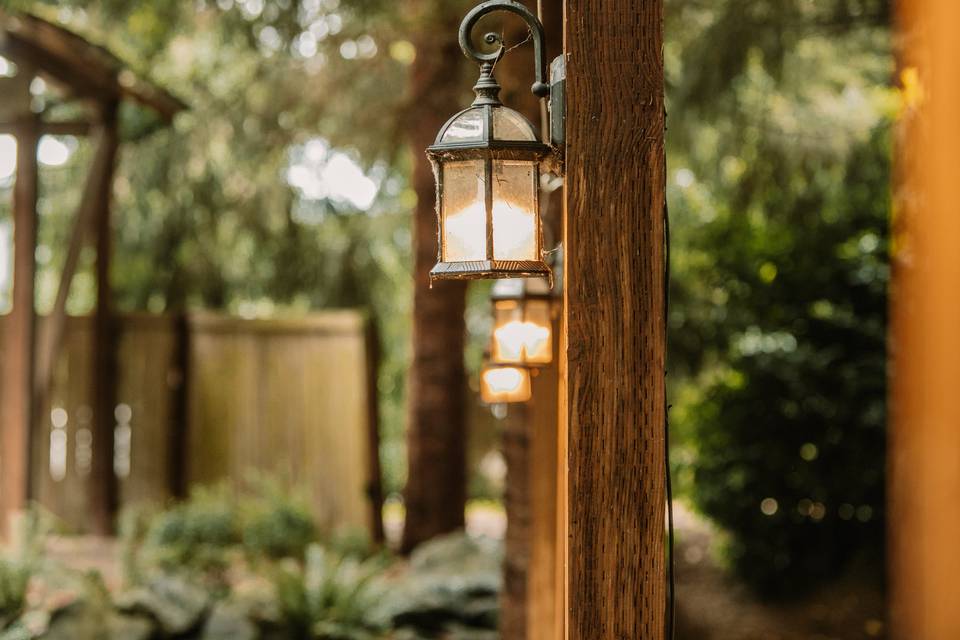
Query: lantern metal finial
column 539, row 88
column 487, row 87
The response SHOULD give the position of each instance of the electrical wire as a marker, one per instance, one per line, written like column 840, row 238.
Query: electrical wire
column 670, row 621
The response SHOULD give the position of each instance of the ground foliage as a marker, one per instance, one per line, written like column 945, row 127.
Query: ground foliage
column 779, row 154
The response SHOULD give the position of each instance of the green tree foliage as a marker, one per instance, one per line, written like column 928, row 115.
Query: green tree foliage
column 205, row 213
column 779, row 190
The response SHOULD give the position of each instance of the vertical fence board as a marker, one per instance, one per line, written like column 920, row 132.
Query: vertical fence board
column 290, row 398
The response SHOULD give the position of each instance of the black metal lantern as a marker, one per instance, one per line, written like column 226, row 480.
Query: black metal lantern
column 522, row 322
column 486, row 160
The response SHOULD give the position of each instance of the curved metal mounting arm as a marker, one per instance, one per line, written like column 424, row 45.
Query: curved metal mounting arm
column 539, row 88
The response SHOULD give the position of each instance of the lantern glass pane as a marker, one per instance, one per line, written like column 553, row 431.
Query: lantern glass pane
column 538, row 343
column 464, row 211
column 505, row 384
column 510, row 125
column 515, row 223
column 508, row 332
column 468, row 127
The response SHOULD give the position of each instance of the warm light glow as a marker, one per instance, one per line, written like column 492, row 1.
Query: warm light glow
column 522, row 329
column 521, row 342
column 505, row 384
column 465, row 233
column 514, row 232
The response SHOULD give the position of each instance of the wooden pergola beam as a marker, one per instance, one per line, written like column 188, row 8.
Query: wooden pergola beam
column 57, row 128
column 614, row 347
column 85, row 69
column 51, row 331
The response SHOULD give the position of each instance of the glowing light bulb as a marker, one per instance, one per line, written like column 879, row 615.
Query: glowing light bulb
column 519, row 342
column 505, row 384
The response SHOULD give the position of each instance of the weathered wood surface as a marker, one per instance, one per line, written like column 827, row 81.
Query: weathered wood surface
column 924, row 447
column 615, row 342
column 285, row 396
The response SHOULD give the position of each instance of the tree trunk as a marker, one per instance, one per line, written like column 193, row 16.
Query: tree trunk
column 924, row 477
column 435, row 494
column 614, row 348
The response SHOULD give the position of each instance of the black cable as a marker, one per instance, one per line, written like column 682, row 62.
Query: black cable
column 671, row 588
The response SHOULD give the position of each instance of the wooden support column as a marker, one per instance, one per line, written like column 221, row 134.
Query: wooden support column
column 375, row 482
column 613, row 352
column 924, row 445
column 18, row 360
column 102, row 480
column 51, row 332
column 517, row 503
column 542, row 578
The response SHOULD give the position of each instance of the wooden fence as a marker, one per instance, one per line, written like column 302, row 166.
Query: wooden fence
column 205, row 398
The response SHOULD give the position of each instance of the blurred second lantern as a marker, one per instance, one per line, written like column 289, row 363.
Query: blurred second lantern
column 522, row 323
column 499, row 384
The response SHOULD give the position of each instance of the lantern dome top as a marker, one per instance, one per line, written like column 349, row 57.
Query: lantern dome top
column 480, row 125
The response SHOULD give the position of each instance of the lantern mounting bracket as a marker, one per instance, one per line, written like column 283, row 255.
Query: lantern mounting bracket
column 487, row 60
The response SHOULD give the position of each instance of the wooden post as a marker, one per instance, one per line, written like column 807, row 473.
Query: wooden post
column 542, row 578
column 924, row 474
column 102, row 480
column 374, row 483
column 18, row 360
column 517, row 503
column 613, row 349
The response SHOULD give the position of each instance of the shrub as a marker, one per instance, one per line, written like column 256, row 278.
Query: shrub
column 331, row 597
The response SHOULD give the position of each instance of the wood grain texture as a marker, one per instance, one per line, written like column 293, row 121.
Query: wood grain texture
column 924, row 445
column 615, row 343
column 16, row 404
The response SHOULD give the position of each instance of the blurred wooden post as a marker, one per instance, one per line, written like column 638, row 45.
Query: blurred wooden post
column 924, row 458
column 517, row 503
column 542, row 585
column 613, row 350
column 374, row 482
column 50, row 334
column 103, row 480
column 18, row 360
